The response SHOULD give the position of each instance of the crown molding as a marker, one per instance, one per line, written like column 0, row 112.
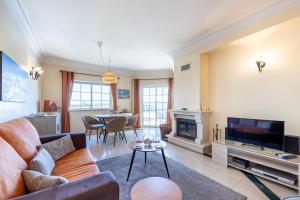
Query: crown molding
column 163, row 73
column 79, row 66
column 75, row 65
column 16, row 8
column 270, row 15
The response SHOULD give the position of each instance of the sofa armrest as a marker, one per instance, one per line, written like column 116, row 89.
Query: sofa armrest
column 79, row 139
column 102, row 186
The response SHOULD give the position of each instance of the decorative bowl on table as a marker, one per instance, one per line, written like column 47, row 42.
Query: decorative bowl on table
column 148, row 140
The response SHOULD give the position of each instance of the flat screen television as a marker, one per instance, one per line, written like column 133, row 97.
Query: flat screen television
column 264, row 133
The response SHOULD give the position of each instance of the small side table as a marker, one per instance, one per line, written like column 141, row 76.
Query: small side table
column 155, row 188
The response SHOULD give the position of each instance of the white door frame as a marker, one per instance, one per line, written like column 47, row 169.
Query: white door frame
column 142, row 101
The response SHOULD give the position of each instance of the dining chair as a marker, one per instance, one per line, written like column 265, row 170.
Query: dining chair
column 116, row 126
column 91, row 124
column 131, row 123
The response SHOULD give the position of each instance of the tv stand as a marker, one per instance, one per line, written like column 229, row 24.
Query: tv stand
column 253, row 145
column 259, row 162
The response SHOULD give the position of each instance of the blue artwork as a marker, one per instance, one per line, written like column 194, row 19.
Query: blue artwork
column 123, row 94
column 15, row 81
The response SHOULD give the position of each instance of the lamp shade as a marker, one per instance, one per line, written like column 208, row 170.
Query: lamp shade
column 109, row 77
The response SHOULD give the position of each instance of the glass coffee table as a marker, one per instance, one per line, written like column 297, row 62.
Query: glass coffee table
column 141, row 147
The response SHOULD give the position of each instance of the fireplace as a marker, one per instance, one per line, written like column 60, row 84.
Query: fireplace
column 186, row 128
column 192, row 125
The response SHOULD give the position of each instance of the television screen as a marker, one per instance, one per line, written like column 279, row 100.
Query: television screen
column 265, row 133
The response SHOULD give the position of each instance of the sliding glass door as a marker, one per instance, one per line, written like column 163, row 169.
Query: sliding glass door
column 154, row 105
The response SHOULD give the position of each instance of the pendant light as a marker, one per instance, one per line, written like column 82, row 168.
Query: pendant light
column 108, row 77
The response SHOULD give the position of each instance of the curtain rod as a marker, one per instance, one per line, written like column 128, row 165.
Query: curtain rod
column 88, row 74
column 145, row 79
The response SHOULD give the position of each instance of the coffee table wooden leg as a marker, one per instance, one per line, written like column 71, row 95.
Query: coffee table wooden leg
column 132, row 159
column 145, row 157
column 164, row 157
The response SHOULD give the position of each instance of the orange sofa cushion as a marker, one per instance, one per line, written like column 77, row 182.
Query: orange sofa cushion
column 79, row 172
column 73, row 160
column 22, row 136
column 11, row 167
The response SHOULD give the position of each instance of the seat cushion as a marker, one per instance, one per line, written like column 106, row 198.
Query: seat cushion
column 78, row 172
column 11, row 167
column 96, row 126
column 73, row 160
column 22, row 136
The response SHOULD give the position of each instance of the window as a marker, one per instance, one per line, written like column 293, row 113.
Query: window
column 88, row 96
column 155, row 105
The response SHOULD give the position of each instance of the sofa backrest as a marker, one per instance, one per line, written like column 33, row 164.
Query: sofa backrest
column 22, row 136
column 11, row 168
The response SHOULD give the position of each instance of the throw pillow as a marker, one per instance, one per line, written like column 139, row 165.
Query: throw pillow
column 60, row 147
column 36, row 181
column 42, row 162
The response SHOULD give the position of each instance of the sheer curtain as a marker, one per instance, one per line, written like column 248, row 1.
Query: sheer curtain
column 114, row 92
column 170, row 99
column 67, row 86
column 136, row 100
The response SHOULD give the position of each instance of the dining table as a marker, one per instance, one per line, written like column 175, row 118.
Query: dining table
column 105, row 117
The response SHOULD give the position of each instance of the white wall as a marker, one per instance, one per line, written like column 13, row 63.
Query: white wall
column 187, row 83
column 204, row 81
column 14, row 43
column 52, row 90
column 236, row 88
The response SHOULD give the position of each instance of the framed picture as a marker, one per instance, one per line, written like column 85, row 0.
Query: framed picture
column 15, row 82
column 123, row 94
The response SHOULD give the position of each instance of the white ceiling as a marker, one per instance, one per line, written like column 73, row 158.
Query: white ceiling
column 137, row 34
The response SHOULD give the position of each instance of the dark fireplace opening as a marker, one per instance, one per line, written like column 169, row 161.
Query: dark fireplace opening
column 186, row 128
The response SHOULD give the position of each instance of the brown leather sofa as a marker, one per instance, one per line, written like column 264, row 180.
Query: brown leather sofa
column 19, row 142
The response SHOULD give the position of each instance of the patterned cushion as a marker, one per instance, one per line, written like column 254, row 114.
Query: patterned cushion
column 60, row 147
column 36, row 181
column 42, row 162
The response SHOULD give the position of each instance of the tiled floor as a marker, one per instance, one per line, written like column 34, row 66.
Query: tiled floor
column 229, row 177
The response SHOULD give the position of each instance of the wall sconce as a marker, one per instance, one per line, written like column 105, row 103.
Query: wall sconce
column 35, row 72
column 260, row 64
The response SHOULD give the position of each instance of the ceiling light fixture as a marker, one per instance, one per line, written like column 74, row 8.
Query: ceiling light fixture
column 108, row 77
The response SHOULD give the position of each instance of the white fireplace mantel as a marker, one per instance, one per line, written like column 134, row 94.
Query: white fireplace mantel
column 201, row 118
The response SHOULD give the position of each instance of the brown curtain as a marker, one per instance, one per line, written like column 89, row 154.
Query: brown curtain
column 114, row 93
column 136, row 100
column 67, row 86
column 170, row 99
